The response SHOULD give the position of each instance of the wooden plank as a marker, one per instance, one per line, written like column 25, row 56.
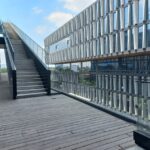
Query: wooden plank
column 59, row 122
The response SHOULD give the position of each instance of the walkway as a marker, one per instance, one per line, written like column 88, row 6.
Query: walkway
column 59, row 122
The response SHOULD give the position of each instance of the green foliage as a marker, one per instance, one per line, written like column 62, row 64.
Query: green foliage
column 3, row 70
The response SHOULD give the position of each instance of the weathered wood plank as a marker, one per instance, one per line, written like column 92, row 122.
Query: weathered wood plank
column 59, row 122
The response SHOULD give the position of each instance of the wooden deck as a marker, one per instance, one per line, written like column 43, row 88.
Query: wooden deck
column 60, row 123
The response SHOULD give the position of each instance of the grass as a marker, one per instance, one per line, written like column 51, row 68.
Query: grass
column 3, row 70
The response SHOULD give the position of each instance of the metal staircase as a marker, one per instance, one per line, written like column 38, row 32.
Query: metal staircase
column 31, row 79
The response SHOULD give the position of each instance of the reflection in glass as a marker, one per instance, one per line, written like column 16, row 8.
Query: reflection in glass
column 148, row 35
column 87, row 77
column 141, row 10
column 148, row 9
column 60, row 45
column 140, row 37
column 115, row 17
column 76, row 67
column 125, row 1
column 126, row 40
column 126, row 17
column 115, row 4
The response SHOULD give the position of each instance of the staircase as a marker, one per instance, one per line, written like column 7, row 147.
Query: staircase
column 29, row 82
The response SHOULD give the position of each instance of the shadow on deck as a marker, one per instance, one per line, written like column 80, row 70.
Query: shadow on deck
column 58, row 122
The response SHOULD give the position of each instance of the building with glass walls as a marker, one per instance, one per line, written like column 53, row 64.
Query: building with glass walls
column 106, row 49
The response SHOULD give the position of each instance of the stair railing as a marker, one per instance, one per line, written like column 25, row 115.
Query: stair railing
column 39, row 55
column 10, row 65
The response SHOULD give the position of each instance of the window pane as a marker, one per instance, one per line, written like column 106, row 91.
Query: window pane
column 148, row 9
column 115, row 21
column 126, row 40
column 105, row 7
column 125, row 1
column 105, row 27
column 76, row 67
column 132, row 39
column 126, row 17
column 141, row 9
column 140, row 37
column 115, row 4
column 148, row 35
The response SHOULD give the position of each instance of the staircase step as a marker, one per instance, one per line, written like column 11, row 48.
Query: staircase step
column 28, row 83
column 27, row 91
column 25, row 87
column 25, row 68
column 26, row 72
column 31, row 95
column 28, row 77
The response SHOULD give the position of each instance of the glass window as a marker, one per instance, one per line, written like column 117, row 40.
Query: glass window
column 114, row 42
column 88, row 77
column 107, row 65
column 105, row 7
column 105, row 45
column 132, row 39
column 60, row 45
column 140, row 37
column 105, row 25
column 126, row 40
column 76, row 67
column 141, row 10
column 126, row 17
column 125, row 1
column 148, row 9
column 115, row 4
column 115, row 17
column 148, row 35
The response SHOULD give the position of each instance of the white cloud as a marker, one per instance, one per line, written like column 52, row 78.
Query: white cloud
column 76, row 5
column 41, row 30
column 59, row 18
column 37, row 10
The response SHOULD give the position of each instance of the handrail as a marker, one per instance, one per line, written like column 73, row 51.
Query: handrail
column 12, row 49
column 10, row 65
column 39, row 52
column 9, row 42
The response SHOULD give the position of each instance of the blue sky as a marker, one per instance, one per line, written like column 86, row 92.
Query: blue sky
column 39, row 18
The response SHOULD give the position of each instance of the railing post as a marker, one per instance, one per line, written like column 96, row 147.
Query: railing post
column 49, row 82
column 14, row 84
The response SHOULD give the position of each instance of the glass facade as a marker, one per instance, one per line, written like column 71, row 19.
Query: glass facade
column 107, row 24
column 108, row 56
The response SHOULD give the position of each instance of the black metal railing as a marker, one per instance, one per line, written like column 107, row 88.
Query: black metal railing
column 9, row 52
